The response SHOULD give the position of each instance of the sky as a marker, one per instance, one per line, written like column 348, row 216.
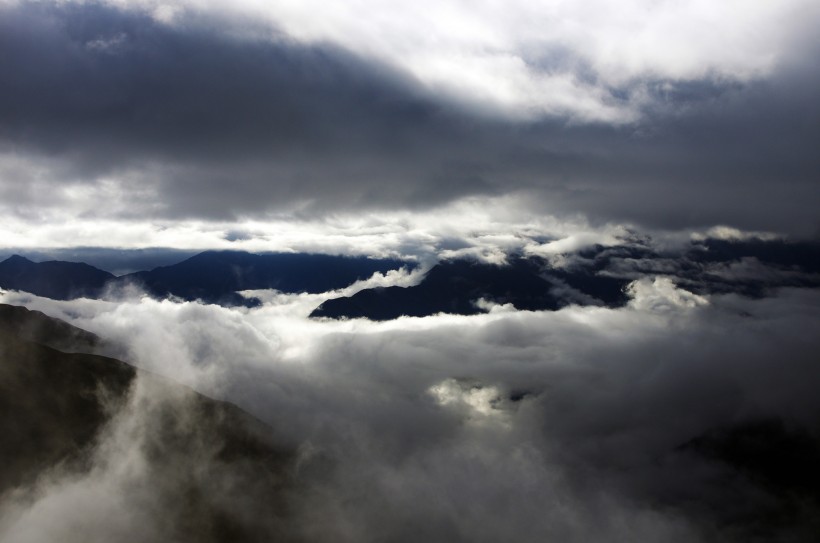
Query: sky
column 206, row 124
column 137, row 133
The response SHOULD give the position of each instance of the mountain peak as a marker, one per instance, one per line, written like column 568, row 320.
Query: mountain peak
column 17, row 259
column 53, row 279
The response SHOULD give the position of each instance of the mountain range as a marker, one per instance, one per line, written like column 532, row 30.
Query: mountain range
column 53, row 279
column 211, row 276
column 595, row 275
column 455, row 287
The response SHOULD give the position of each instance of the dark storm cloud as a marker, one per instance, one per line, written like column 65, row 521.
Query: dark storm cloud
column 743, row 158
column 210, row 119
column 216, row 124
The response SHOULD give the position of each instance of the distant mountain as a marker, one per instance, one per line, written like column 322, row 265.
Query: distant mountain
column 53, row 279
column 455, row 286
column 211, row 276
column 54, row 405
column 589, row 286
column 802, row 255
column 595, row 275
column 752, row 267
column 215, row 276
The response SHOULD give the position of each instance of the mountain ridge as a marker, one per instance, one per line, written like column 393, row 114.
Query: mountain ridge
column 54, row 279
column 57, row 410
column 455, row 286
column 209, row 276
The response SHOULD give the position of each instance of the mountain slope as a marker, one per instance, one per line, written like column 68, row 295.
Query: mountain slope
column 215, row 276
column 455, row 287
column 53, row 279
column 211, row 276
column 50, row 410
column 62, row 414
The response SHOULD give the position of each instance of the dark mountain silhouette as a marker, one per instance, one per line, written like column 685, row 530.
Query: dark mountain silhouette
column 802, row 255
column 791, row 264
column 215, row 276
column 596, row 275
column 53, row 279
column 455, row 286
column 611, row 291
column 752, row 268
column 211, row 276
column 54, row 405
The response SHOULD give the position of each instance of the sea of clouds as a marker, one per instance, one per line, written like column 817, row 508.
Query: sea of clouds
column 511, row 425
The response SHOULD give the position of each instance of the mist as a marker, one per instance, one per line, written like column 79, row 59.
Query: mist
column 509, row 425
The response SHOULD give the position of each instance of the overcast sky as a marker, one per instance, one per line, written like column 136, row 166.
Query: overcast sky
column 134, row 124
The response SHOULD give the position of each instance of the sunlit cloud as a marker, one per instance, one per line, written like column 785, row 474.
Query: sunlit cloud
column 524, row 60
column 483, row 228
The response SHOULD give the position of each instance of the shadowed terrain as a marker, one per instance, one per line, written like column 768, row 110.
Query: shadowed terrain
column 68, row 417
column 216, row 276
column 455, row 286
column 211, row 276
column 596, row 275
column 53, row 279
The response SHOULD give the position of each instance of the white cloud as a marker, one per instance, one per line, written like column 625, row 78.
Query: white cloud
column 732, row 234
column 528, row 60
column 484, row 228
column 392, row 411
column 660, row 295
column 577, row 241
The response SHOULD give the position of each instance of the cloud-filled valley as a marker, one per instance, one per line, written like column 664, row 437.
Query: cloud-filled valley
column 588, row 423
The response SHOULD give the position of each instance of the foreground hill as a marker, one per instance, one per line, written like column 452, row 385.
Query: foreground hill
column 37, row 327
column 59, row 410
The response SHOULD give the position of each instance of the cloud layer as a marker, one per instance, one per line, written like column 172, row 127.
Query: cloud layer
column 564, row 424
